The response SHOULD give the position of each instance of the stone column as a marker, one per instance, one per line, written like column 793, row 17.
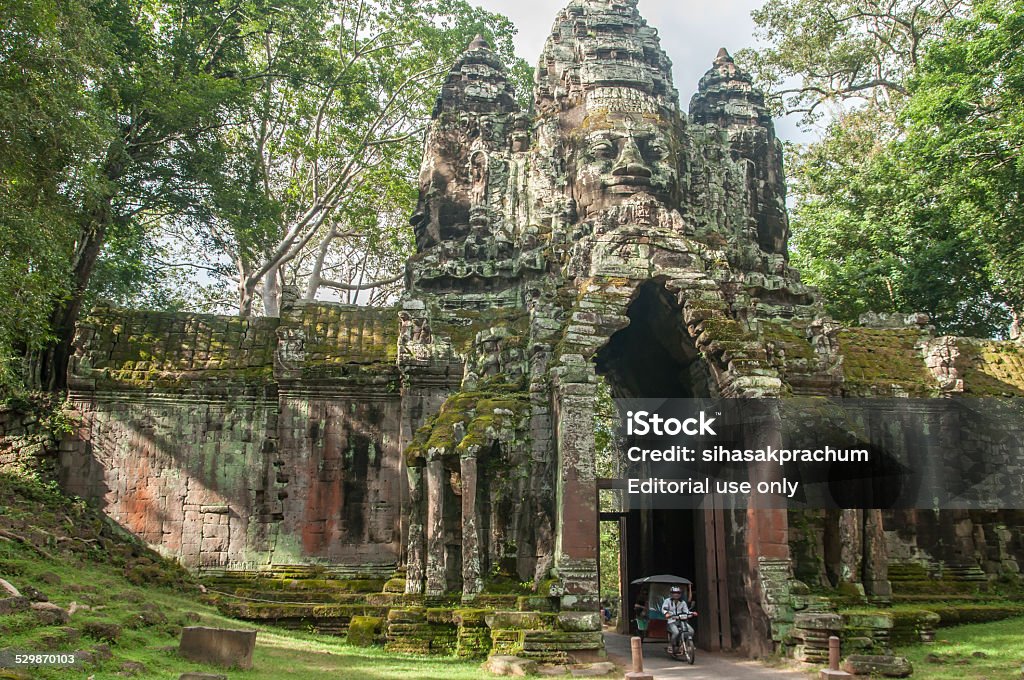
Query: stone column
column 876, row 557
column 416, row 559
column 436, row 581
column 472, row 583
column 851, row 541
column 576, row 495
column 768, row 558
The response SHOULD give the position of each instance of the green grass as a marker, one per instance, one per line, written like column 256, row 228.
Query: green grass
column 73, row 556
column 999, row 646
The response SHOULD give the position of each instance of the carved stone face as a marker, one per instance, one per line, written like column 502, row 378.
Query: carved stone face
column 618, row 157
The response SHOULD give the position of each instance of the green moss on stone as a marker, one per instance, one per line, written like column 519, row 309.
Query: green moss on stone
column 363, row 630
column 884, row 361
column 991, row 369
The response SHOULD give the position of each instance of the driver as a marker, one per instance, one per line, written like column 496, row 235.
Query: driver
column 676, row 611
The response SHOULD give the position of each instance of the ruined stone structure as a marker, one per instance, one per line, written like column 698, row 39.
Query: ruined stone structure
column 450, row 440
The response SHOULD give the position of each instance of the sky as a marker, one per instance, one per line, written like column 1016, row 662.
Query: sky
column 691, row 32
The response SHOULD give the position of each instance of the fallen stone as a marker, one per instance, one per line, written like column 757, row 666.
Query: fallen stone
column 218, row 646
column 150, row 617
column 13, row 605
column 878, row 664
column 980, row 655
column 363, row 630
column 511, row 666
column 35, row 594
column 98, row 630
column 50, row 579
column 9, row 589
column 594, row 670
column 202, row 676
column 50, row 614
column 102, row 652
column 934, row 658
column 829, row 674
column 132, row 668
column 553, row 670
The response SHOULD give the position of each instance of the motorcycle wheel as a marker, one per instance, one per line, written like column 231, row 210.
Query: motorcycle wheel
column 691, row 651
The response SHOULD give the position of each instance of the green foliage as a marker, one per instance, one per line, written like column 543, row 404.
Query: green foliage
column 876, row 234
column 910, row 202
column 966, row 130
column 48, row 123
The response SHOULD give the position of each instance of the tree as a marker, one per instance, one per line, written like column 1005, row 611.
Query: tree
column 965, row 121
column 874, row 234
column 840, row 50
column 908, row 202
column 163, row 76
column 323, row 155
column 49, row 51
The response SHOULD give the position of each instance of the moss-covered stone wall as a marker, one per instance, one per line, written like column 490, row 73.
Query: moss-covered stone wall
column 243, row 443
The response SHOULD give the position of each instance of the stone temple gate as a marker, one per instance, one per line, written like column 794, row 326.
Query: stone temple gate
column 446, row 446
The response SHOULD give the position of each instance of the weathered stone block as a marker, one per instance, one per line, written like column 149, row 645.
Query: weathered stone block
column 363, row 631
column 579, row 621
column 218, row 646
column 520, row 621
column 868, row 664
column 513, row 666
column 11, row 605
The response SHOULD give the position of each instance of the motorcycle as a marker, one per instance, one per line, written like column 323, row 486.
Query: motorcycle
column 684, row 649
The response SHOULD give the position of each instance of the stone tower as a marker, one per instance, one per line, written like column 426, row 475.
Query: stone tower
column 563, row 243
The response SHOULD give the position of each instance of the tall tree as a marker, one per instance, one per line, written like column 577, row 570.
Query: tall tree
column 324, row 153
column 889, row 213
column 876, row 234
column 167, row 73
column 965, row 121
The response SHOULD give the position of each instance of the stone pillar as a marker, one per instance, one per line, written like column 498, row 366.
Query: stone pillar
column 851, row 541
column 472, row 583
column 768, row 558
column 876, row 557
column 436, row 581
column 416, row 560
column 576, row 495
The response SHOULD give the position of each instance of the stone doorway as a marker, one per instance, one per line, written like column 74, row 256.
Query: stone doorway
column 654, row 357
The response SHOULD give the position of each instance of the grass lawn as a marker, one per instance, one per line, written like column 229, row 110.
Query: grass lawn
column 982, row 651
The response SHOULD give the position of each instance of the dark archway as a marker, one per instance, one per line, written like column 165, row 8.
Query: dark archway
column 653, row 357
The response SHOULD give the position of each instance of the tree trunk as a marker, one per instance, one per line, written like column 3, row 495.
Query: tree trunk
column 246, row 292
column 272, row 293
column 96, row 220
column 1015, row 326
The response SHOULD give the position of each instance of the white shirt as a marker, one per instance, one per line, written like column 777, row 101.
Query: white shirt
column 671, row 607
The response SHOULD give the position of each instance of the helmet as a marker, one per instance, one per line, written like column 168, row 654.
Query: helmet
column 676, row 590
